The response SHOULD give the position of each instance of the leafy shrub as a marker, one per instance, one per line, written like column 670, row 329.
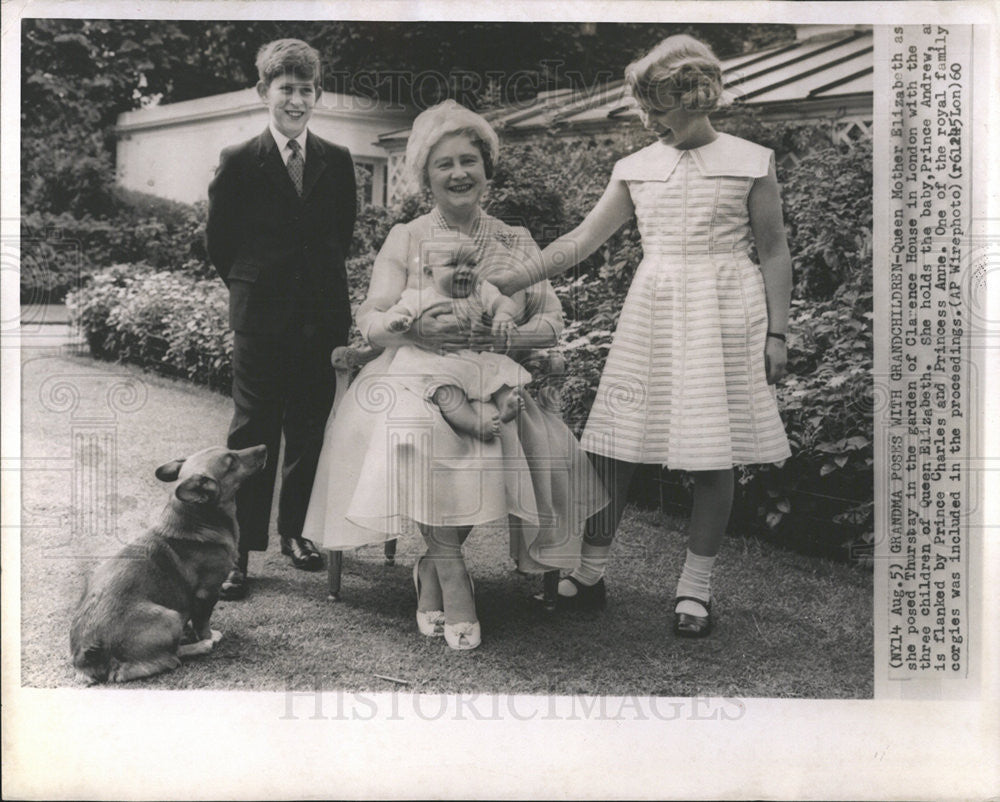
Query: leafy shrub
column 169, row 322
column 373, row 223
column 57, row 179
column 831, row 228
column 58, row 251
column 370, row 229
column 548, row 185
column 90, row 306
column 521, row 195
column 782, row 137
column 827, row 403
column 827, row 396
column 359, row 273
column 53, row 261
column 573, row 169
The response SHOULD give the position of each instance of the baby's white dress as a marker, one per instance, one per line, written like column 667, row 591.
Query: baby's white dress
column 478, row 373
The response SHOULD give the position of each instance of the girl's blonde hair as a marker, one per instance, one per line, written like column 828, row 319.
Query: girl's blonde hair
column 680, row 69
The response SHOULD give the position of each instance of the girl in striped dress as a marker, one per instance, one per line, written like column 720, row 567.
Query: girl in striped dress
column 702, row 331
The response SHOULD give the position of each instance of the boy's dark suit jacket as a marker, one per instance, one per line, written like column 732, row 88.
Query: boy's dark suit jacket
column 282, row 256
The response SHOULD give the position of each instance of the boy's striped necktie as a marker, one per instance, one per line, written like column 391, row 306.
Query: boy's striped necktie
column 295, row 165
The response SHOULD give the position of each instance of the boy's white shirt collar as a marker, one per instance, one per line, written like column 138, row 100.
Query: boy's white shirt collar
column 282, row 142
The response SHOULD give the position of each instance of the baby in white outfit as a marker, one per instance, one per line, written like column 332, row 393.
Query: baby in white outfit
column 463, row 383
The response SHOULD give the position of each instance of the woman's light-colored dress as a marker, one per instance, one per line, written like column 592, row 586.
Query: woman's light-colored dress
column 684, row 384
column 390, row 460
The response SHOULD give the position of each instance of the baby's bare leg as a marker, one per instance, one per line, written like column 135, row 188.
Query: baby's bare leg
column 478, row 420
column 489, row 418
column 509, row 401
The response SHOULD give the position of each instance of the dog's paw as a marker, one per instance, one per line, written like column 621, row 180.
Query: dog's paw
column 216, row 636
column 85, row 679
column 196, row 649
column 189, row 636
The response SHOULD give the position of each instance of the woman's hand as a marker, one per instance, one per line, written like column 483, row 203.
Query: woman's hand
column 438, row 329
column 536, row 333
column 503, row 325
column 498, row 340
column 775, row 359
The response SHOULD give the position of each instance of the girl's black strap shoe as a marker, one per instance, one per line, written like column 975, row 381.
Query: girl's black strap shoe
column 692, row 626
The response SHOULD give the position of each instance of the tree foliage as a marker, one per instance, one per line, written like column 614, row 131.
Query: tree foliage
column 116, row 64
column 78, row 75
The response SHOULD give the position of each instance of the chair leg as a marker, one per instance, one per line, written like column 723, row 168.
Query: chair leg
column 390, row 552
column 334, row 566
column 550, row 590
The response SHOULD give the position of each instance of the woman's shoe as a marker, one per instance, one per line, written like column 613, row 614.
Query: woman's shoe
column 429, row 622
column 464, row 635
column 692, row 626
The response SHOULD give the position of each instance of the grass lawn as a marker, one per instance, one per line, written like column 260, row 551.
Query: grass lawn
column 788, row 625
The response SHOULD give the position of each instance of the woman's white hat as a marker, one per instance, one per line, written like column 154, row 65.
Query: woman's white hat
column 432, row 125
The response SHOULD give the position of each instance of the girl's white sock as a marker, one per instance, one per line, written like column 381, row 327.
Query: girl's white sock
column 696, row 580
column 593, row 562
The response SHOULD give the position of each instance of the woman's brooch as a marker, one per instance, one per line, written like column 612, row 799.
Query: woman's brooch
column 506, row 238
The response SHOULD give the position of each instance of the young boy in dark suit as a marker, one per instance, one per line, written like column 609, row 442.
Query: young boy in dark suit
column 280, row 218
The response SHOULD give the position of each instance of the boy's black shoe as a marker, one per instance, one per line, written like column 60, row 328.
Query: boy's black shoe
column 303, row 553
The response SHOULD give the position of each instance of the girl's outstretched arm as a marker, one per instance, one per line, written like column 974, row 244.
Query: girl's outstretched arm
column 776, row 266
column 608, row 215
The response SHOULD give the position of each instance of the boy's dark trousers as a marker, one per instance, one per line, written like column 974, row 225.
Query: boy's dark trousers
column 280, row 383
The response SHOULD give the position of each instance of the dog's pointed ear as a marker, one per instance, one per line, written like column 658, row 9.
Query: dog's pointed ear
column 168, row 471
column 198, row 489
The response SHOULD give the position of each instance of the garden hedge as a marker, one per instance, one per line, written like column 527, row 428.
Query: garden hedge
column 170, row 322
column 59, row 251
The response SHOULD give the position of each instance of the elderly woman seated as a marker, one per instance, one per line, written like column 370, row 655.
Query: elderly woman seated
column 391, row 460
